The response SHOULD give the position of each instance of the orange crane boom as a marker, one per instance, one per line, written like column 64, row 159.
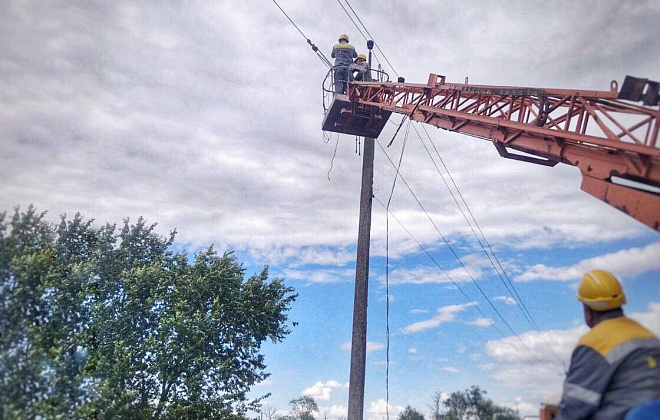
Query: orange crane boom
column 609, row 137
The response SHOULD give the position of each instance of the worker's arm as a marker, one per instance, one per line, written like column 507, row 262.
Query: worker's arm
column 585, row 383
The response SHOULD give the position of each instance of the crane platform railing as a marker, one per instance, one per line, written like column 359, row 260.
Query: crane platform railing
column 350, row 117
column 609, row 137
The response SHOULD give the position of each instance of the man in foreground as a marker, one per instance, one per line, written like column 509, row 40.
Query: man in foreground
column 616, row 365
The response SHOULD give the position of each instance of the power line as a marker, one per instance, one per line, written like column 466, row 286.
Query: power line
column 351, row 18
column 501, row 272
column 451, row 280
column 318, row 52
column 458, row 258
column 366, row 30
column 463, row 212
column 387, row 278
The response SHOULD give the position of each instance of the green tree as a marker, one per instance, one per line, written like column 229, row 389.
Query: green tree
column 469, row 404
column 457, row 406
column 107, row 323
column 410, row 414
column 303, row 408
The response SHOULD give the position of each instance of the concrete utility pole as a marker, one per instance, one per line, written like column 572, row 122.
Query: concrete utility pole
column 359, row 340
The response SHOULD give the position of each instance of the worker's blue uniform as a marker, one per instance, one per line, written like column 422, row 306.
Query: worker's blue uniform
column 615, row 367
column 344, row 54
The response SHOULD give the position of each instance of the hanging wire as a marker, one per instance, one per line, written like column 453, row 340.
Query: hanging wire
column 501, row 272
column 371, row 37
column 451, row 249
column 352, row 20
column 504, row 278
column 318, row 52
column 525, row 312
column 387, row 277
column 451, row 280
column 332, row 161
column 359, row 30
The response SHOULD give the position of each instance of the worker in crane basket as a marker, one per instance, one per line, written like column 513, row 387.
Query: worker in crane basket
column 359, row 70
column 615, row 368
column 343, row 53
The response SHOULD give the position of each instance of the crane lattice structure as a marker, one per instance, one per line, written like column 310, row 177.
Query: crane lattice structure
column 610, row 137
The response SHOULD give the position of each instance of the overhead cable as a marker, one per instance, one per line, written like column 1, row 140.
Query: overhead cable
column 366, row 30
column 504, row 278
column 451, row 249
column 451, row 280
column 387, row 276
column 318, row 52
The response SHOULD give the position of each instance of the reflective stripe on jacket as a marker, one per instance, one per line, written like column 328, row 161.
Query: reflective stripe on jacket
column 615, row 366
column 343, row 53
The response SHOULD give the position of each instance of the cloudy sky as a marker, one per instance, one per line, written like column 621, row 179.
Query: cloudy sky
column 205, row 116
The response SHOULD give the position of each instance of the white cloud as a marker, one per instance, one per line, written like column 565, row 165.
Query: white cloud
column 424, row 275
column 379, row 408
column 451, row 369
column 521, row 406
column 412, row 350
column 382, row 363
column 221, row 171
column 541, row 372
column 145, row 113
column 481, row 322
column 385, row 298
column 419, row 311
column 625, row 263
column 265, row 382
column 650, row 319
column 374, row 346
column 334, row 411
column 319, row 275
column 322, row 391
column 443, row 315
column 371, row 346
column 506, row 299
column 475, row 265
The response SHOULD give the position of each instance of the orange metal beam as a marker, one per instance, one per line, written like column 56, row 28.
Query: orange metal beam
column 603, row 136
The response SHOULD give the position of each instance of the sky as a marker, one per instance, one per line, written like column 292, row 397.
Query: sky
column 205, row 117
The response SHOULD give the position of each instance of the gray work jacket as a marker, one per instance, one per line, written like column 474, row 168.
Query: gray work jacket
column 615, row 366
column 344, row 54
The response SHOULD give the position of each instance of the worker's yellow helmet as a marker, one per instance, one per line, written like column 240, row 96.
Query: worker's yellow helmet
column 601, row 291
column 343, row 36
column 361, row 57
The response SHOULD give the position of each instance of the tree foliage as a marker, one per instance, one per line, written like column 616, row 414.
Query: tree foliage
column 110, row 323
column 302, row 408
column 469, row 404
column 410, row 413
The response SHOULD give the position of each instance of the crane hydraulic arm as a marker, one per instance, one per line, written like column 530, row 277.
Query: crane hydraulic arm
column 612, row 139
